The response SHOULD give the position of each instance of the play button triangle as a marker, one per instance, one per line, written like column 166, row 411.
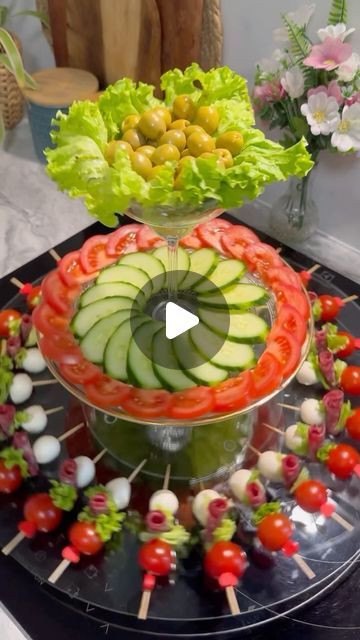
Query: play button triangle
column 178, row 320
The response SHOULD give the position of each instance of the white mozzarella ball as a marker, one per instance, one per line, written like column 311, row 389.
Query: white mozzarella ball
column 85, row 471
column 46, row 449
column 36, row 421
column 238, row 482
column 293, row 441
column 310, row 412
column 307, row 374
column 270, row 465
column 34, row 361
column 201, row 503
column 164, row 499
column 120, row 491
column 21, row 388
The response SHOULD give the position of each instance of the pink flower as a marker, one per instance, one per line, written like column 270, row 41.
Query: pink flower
column 332, row 90
column 268, row 92
column 354, row 98
column 329, row 54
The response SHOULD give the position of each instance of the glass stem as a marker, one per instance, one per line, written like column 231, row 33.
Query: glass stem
column 172, row 276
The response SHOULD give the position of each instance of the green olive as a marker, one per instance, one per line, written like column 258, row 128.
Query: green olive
column 147, row 150
column 207, row 118
column 165, row 152
column 141, row 164
column 130, row 122
column 225, row 156
column 111, row 148
column 164, row 113
column 182, row 123
column 193, row 128
column 184, row 107
column 152, row 125
column 219, row 161
column 231, row 140
column 134, row 138
column 198, row 143
column 154, row 172
column 185, row 153
column 175, row 137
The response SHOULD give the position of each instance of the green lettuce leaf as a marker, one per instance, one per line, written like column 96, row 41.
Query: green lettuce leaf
column 339, row 366
column 316, row 309
column 225, row 531
column 322, row 454
column 345, row 413
column 333, row 340
column 302, row 430
column 265, row 510
column 302, row 477
column 14, row 457
column 84, row 119
column 63, row 495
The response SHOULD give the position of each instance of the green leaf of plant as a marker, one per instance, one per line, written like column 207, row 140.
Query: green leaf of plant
column 338, row 12
column 299, row 47
column 299, row 126
column 35, row 14
column 3, row 14
column 14, row 56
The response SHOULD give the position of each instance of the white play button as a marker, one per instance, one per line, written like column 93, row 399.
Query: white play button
column 178, row 320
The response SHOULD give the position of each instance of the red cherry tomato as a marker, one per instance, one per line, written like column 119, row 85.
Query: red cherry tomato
column 342, row 461
column 261, row 257
column 266, row 375
column 349, row 347
column 235, row 240
column 106, row 392
column 191, row 403
column 192, row 240
column 84, row 537
column 71, row 271
column 225, row 557
column 233, row 394
column 57, row 294
column 292, row 321
column 10, row 479
column 353, row 425
column 47, row 320
column 34, row 297
column 350, row 380
column 123, row 240
column 40, row 510
column 311, row 495
column 81, row 372
column 93, row 254
column 274, row 531
column 147, row 403
column 330, row 307
column 61, row 347
column 155, row 556
column 6, row 317
column 282, row 275
column 211, row 232
column 148, row 239
column 305, row 277
column 286, row 349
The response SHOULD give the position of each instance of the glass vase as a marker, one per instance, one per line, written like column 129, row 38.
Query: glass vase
column 295, row 216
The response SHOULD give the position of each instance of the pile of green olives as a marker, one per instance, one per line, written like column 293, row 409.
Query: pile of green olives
column 178, row 134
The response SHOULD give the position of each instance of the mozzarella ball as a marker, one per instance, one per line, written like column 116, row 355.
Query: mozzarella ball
column 36, row 421
column 201, row 503
column 164, row 499
column 120, row 491
column 85, row 472
column 293, row 441
column 21, row 388
column 307, row 374
column 46, row 449
column 310, row 412
column 270, row 465
column 34, row 361
column 238, row 482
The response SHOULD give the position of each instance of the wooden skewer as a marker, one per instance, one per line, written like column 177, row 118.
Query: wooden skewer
column 288, row 406
column 232, row 601
column 303, row 566
column 10, row 546
column 314, row 268
column 17, row 283
column 342, row 522
column 49, row 412
column 42, row 383
column 99, row 456
column 167, row 477
column 60, row 569
column 54, row 254
column 349, row 299
column 278, row 249
column 136, row 471
column 71, row 432
column 274, row 429
column 256, row 451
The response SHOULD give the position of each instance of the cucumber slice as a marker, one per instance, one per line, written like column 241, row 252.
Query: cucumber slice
column 139, row 364
column 117, row 348
column 230, row 355
column 202, row 264
column 183, row 263
column 148, row 263
column 171, row 375
column 94, row 343
column 111, row 289
column 123, row 273
column 239, row 296
column 86, row 317
column 243, row 327
column 225, row 274
column 205, row 373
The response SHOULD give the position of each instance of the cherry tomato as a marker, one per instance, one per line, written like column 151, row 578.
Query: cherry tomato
column 34, row 297
column 305, row 277
column 342, row 461
column 286, row 349
column 47, row 320
column 106, row 392
column 282, row 275
column 57, row 294
column 235, row 240
column 311, row 495
column 84, row 537
column 191, row 403
column 225, row 557
column 286, row 294
column 211, row 232
column 350, row 380
column 192, row 240
column 233, row 394
column 10, row 479
column 41, row 510
column 274, row 531
column 330, row 307
column 260, row 256
column 147, row 403
column 81, row 372
column 353, row 424
column 123, row 240
column 155, row 556
column 61, row 347
column 349, row 347
column 6, row 317
column 93, row 254
column 148, row 239
column 266, row 375
column 71, row 271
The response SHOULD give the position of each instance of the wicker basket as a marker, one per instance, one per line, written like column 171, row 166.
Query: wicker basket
column 11, row 98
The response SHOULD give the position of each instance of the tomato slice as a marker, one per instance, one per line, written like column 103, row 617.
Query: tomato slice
column 147, row 403
column 57, row 294
column 123, row 240
column 71, row 271
column 292, row 321
column 266, row 375
column 234, row 393
column 148, row 239
column 235, row 240
column 211, row 232
column 93, row 254
column 191, row 403
column 283, row 275
column 286, row 350
column 289, row 295
column 46, row 320
column 192, row 240
column 61, row 347
column 81, row 372
column 260, row 256
column 106, row 392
